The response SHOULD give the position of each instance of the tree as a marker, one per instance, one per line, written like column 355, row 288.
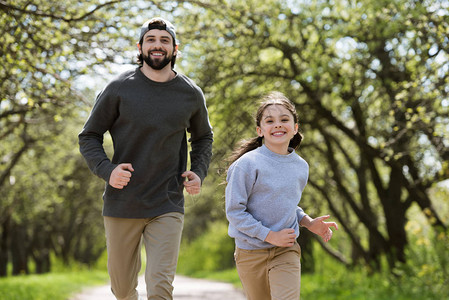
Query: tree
column 369, row 79
column 44, row 45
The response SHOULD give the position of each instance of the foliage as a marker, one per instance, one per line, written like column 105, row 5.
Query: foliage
column 50, row 199
column 205, row 209
column 369, row 79
column 333, row 280
column 427, row 267
column 423, row 276
column 212, row 251
column 45, row 44
column 358, row 283
column 53, row 207
column 48, row 202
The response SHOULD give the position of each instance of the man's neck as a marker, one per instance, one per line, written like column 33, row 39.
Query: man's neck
column 164, row 75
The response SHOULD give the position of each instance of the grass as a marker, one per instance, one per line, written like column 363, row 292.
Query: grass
column 62, row 284
column 54, row 286
column 333, row 280
column 425, row 275
column 424, row 278
column 345, row 285
column 336, row 283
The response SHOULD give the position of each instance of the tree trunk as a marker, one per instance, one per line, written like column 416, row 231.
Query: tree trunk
column 395, row 210
column 40, row 248
column 19, row 251
column 4, row 233
column 305, row 240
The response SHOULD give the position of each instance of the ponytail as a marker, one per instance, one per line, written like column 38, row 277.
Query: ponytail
column 244, row 147
column 295, row 141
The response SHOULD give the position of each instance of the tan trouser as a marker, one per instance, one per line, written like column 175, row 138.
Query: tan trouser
column 270, row 274
column 162, row 237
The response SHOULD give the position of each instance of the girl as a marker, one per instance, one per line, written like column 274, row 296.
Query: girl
column 264, row 186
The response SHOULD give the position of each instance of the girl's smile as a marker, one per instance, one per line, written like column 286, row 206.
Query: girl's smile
column 279, row 133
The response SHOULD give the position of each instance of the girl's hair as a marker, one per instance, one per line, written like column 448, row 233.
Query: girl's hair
column 273, row 98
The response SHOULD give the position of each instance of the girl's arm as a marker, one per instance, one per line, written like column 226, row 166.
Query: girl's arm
column 318, row 226
column 240, row 181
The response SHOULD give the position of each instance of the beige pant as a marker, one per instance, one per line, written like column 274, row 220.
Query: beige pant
column 162, row 237
column 270, row 274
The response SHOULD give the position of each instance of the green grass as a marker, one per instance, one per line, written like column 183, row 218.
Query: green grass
column 425, row 275
column 347, row 285
column 337, row 283
column 62, row 284
column 54, row 286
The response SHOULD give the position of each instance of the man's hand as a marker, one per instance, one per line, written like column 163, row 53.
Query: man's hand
column 284, row 238
column 193, row 183
column 121, row 175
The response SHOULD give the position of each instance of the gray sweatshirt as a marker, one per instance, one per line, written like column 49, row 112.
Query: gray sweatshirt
column 262, row 194
column 147, row 121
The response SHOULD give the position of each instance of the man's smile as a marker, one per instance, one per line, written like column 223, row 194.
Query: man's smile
column 157, row 53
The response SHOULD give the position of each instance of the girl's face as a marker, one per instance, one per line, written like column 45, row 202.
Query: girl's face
column 277, row 127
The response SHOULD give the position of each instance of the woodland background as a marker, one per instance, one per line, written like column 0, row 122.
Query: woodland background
column 369, row 79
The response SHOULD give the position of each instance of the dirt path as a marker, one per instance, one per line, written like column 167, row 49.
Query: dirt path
column 185, row 289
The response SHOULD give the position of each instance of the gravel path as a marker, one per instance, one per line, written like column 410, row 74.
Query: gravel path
column 185, row 289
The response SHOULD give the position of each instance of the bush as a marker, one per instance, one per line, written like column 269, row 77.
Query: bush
column 212, row 251
column 425, row 272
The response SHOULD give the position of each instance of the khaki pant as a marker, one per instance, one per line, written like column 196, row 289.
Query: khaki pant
column 270, row 274
column 161, row 236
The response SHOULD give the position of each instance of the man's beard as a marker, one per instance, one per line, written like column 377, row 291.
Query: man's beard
column 158, row 64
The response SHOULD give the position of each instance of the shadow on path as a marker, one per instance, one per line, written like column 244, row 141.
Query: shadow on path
column 185, row 289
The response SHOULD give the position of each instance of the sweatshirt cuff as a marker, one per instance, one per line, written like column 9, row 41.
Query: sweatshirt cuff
column 263, row 234
column 201, row 175
column 300, row 218
column 105, row 170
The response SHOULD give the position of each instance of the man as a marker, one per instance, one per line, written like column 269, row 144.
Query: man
column 147, row 112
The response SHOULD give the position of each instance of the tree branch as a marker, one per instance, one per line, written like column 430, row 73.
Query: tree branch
column 332, row 252
column 8, row 7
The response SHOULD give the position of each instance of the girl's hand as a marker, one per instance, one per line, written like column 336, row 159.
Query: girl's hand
column 284, row 238
column 319, row 227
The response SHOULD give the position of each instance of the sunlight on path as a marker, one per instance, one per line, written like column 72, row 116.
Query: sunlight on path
column 185, row 289
column 200, row 289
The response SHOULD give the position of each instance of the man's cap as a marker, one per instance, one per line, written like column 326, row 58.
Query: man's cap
column 166, row 25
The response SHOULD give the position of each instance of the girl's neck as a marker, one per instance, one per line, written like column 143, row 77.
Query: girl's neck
column 278, row 149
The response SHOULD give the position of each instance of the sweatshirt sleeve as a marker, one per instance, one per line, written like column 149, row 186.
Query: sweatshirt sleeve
column 100, row 120
column 300, row 214
column 238, row 190
column 201, row 139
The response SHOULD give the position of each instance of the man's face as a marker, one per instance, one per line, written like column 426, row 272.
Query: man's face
column 157, row 49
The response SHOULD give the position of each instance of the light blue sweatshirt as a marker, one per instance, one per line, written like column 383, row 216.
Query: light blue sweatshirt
column 262, row 194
